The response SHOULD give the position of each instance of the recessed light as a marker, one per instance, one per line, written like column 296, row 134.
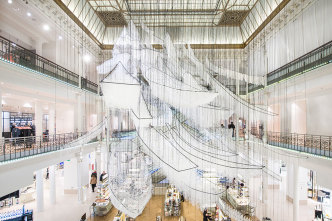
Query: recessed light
column 60, row 37
column 86, row 58
column 46, row 27
column 10, row 1
column 27, row 105
column 28, row 14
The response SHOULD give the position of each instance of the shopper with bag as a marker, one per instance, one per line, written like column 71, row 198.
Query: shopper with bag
column 93, row 182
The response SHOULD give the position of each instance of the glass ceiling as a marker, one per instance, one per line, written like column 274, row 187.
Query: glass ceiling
column 98, row 16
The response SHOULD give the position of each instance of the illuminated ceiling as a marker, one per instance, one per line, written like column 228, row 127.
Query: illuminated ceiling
column 242, row 19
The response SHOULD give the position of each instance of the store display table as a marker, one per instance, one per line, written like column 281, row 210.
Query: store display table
column 172, row 202
column 238, row 202
column 102, row 207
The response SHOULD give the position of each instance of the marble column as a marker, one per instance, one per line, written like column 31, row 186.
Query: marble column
column 40, row 190
column 52, row 184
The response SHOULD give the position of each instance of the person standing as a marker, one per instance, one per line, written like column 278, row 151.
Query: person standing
column 232, row 126
column 47, row 173
column 94, row 173
column 101, row 176
column 206, row 215
column 93, row 182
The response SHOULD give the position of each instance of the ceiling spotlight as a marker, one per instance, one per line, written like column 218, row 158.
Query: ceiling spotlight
column 10, row 1
column 27, row 105
column 60, row 37
column 28, row 14
column 46, row 27
column 86, row 58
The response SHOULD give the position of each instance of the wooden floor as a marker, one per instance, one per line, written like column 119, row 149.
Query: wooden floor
column 155, row 208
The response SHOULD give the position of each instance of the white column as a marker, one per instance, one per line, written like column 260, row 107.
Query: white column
column 38, row 118
column 52, row 184
column 108, row 126
column 51, row 120
column 79, row 179
column 265, row 117
column 237, row 109
column 79, row 114
column 265, row 185
column 39, row 47
column 120, row 120
column 1, row 112
column 98, row 159
column 99, row 113
column 40, row 190
column 296, row 191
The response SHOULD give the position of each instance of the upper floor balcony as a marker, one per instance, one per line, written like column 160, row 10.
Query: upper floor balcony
column 22, row 57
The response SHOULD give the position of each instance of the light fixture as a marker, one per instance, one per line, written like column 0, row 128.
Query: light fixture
column 3, row 102
column 27, row 105
column 10, row 1
column 28, row 14
column 86, row 58
column 46, row 27
column 60, row 37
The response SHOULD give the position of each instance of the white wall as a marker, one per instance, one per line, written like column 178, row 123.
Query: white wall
column 320, row 114
column 303, row 103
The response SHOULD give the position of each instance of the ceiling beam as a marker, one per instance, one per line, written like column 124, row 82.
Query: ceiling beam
column 267, row 21
column 193, row 46
column 77, row 21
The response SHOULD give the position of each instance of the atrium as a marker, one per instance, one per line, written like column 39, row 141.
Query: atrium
column 165, row 110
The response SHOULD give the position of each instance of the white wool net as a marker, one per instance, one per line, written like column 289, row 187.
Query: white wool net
column 176, row 105
column 129, row 178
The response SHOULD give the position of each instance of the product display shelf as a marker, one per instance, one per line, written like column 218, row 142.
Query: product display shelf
column 103, row 204
column 172, row 202
column 17, row 215
column 220, row 216
column 120, row 216
column 237, row 201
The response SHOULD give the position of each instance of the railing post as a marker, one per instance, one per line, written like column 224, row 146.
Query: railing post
column 40, row 144
column 329, row 146
column 320, row 145
column 304, row 144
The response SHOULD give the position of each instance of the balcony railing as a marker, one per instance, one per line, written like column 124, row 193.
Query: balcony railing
column 313, row 144
column 15, row 148
column 89, row 85
column 16, row 54
column 316, row 58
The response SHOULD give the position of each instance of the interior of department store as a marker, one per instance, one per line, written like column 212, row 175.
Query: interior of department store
column 177, row 110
